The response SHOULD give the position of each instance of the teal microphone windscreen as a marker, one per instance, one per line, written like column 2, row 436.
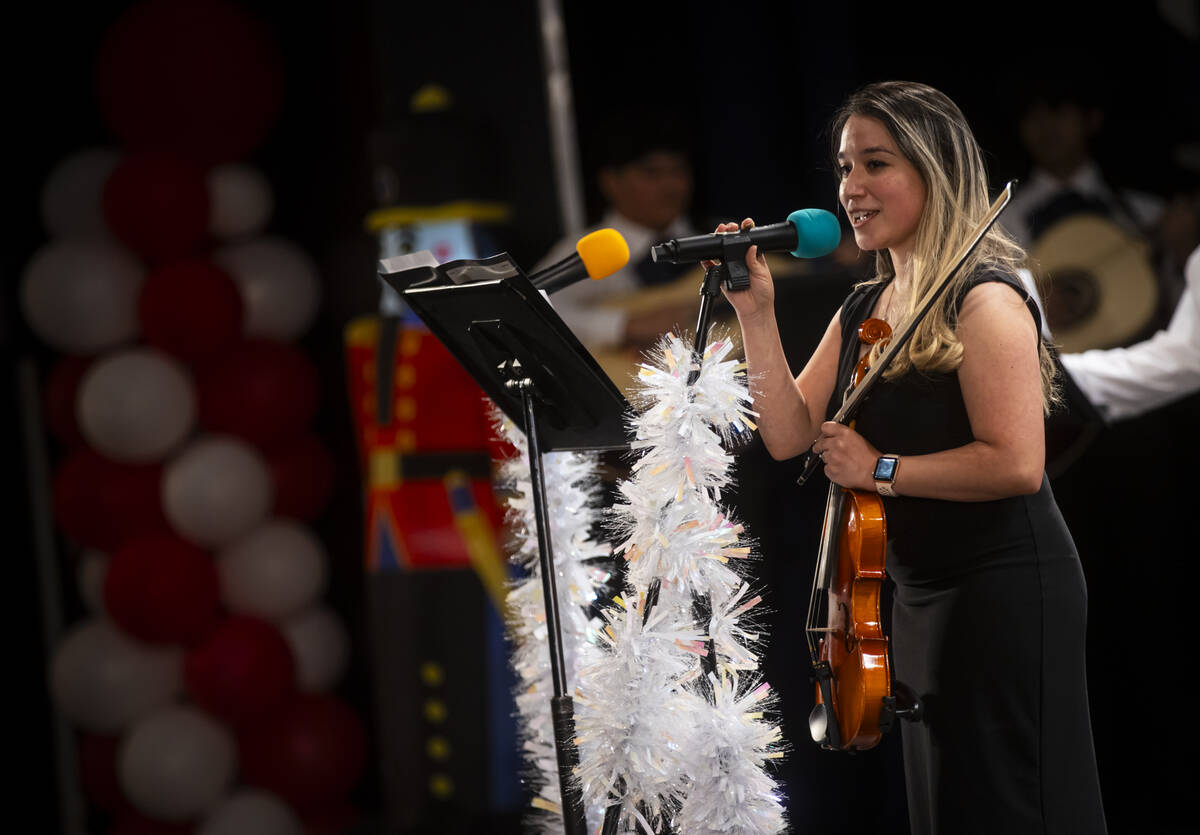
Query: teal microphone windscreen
column 817, row 232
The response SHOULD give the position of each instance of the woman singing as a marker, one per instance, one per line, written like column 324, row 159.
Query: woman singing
column 988, row 622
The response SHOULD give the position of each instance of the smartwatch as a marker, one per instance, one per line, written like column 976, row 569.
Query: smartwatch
column 886, row 467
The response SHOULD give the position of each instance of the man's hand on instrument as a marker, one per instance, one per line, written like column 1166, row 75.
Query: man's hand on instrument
column 759, row 299
column 849, row 460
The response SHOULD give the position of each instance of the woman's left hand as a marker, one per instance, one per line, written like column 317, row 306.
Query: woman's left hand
column 849, row 460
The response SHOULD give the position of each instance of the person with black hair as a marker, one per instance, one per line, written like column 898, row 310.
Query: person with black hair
column 1057, row 127
column 1060, row 115
column 645, row 178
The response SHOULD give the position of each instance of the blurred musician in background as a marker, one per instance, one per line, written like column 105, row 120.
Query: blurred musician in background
column 644, row 176
column 1125, row 382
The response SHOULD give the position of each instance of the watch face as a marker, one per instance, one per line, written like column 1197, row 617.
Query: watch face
column 885, row 469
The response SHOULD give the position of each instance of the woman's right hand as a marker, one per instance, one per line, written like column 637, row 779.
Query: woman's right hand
column 758, row 300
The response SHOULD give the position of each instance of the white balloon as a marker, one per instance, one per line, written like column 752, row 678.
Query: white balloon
column 217, row 489
column 321, row 647
column 280, row 286
column 176, row 763
column 90, row 574
column 251, row 811
column 136, row 405
column 81, row 296
column 71, row 195
column 102, row 679
column 274, row 571
column 241, row 201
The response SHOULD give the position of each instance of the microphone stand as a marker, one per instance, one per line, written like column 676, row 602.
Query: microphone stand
column 735, row 279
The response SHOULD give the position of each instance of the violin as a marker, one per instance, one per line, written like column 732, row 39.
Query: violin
column 850, row 658
column 857, row 700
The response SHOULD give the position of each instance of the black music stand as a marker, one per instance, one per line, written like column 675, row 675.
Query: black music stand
column 511, row 341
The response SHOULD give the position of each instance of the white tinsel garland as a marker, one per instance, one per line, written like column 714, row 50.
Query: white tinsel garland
column 572, row 485
column 630, row 718
column 668, row 743
column 674, row 530
column 730, row 791
column 685, row 544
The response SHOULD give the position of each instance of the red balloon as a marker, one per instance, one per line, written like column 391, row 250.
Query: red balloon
column 242, row 671
column 311, row 753
column 97, row 756
column 262, row 390
column 303, row 475
column 203, row 78
column 101, row 503
column 191, row 309
column 58, row 399
column 157, row 205
column 163, row 590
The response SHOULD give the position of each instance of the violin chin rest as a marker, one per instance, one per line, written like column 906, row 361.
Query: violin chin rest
column 818, row 723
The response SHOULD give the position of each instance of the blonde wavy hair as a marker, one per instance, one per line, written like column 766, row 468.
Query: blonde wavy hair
column 932, row 134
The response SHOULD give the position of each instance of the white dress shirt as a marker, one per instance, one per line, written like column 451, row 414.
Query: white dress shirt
column 1126, row 382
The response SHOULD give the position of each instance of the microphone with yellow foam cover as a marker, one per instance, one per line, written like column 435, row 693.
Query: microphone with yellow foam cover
column 597, row 255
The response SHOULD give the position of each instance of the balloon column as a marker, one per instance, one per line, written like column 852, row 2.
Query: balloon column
column 201, row 682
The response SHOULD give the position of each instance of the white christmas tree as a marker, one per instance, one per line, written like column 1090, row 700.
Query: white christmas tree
column 670, row 718
column 670, row 708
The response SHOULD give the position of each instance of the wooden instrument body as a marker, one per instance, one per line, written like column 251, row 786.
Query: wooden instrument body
column 856, row 646
column 1099, row 282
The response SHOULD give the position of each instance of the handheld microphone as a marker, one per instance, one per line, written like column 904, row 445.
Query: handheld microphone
column 807, row 233
column 597, row 255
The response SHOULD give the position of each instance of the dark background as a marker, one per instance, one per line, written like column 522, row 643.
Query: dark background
column 756, row 82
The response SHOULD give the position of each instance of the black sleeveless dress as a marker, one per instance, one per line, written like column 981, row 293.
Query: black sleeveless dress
column 988, row 627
